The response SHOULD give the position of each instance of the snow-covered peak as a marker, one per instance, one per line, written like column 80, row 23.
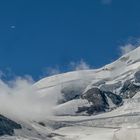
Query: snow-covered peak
column 66, row 88
column 76, row 95
column 121, row 69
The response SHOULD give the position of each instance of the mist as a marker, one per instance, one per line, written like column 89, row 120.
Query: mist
column 19, row 99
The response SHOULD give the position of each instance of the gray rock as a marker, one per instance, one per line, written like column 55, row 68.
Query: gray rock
column 99, row 100
column 96, row 97
column 137, row 77
column 7, row 126
column 129, row 89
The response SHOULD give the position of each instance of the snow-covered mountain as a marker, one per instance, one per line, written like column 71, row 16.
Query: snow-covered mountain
column 100, row 104
column 94, row 91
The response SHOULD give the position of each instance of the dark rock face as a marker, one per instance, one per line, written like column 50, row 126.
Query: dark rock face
column 137, row 77
column 129, row 89
column 99, row 101
column 117, row 100
column 7, row 126
column 96, row 97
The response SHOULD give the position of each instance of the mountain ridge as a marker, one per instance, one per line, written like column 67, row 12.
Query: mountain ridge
column 101, row 98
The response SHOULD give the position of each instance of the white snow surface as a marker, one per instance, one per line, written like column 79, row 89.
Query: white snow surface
column 122, row 123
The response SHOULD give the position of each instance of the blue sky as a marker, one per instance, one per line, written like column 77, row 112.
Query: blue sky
column 40, row 34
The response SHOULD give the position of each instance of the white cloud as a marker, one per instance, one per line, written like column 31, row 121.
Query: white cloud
column 127, row 48
column 106, row 2
column 19, row 99
column 81, row 65
column 74, row 66
column 50, row 71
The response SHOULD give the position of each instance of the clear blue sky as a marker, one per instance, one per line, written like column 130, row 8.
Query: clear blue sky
column 35, row 34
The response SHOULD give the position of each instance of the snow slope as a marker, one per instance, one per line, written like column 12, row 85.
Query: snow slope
column 87, row 104
column 107, row 125
column 108, row 78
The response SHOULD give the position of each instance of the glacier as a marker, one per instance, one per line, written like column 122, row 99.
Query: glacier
column 98, row 104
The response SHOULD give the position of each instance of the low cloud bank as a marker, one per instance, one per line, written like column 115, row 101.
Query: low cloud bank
column 19, row 99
